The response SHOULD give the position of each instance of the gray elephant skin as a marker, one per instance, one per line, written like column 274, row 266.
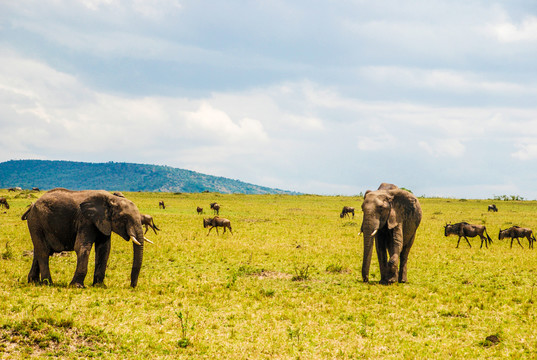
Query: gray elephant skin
column 390, row 220
column 65, row 220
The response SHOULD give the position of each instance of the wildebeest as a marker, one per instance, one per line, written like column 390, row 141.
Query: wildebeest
column 161, row 205
column 199, row 210
column 463, row 229
column 147, row 221
column 16, row 188
column 346, row 211
column 216, row 222
column 35, row 189
column 493, row 208
column 215, row 207
column 515, row 232
column 3, row 202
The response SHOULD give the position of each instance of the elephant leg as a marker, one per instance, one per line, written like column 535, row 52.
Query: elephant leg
column 394, row 244
column 40, row 263
column 381, row 247
column 82, row 253
column 33, row 275
column 404, row 259
column 44, row 269
column 102, row 252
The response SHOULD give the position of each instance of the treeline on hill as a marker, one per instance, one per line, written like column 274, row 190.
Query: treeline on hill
column 46, row 175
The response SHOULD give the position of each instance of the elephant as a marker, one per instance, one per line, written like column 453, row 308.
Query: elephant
column 65, row 220
column 390, row 219
column 387, row 186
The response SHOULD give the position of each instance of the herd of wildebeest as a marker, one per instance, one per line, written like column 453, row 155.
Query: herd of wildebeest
column 63, row 220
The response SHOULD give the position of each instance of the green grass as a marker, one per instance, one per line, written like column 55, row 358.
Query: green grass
column 286, row 285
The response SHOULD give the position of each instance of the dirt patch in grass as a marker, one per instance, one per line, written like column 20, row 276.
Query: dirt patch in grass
column 52, row 337
column 256, row 220
column 273, row 275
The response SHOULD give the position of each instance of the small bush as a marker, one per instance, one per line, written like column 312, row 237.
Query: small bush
column 301, row 274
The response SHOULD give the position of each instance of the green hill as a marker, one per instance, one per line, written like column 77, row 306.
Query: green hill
column 72, row 175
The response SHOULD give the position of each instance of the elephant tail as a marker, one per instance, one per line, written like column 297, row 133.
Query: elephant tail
column 25, row 215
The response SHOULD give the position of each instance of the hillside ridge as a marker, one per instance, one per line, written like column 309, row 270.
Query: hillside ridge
column 120, row 176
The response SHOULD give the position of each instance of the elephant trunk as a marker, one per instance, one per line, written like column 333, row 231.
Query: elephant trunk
column 138, row 255
column 369, row 231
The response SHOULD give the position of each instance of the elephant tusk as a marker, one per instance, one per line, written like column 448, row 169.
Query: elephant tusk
column 359, row 233
column 135, row 241
column 149, row 241
column 374, row 232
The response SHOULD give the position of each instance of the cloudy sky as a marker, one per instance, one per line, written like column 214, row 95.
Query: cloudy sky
column 325, row 97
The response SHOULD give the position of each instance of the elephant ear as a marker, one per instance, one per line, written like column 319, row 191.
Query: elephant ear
column 95, row 209
column 393, row 217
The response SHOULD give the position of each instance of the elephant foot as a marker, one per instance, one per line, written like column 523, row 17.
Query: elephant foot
column 386, row 282
column 77, row 285
column 100, row 285
column 33, row 280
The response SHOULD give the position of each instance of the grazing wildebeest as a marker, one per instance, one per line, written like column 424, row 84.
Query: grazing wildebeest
column 161, row 205
column 35, row 189
column 515, row 232
column 3, row 202
column 147, row 220
column 216, row 222
column 16, row 188
column 493, row 208
column 346, row 211
column 463, row 229
column 199, row 210
column 215, row 207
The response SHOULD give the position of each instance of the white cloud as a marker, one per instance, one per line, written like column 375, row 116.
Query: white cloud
column 444, row 147
column 378, row 142
column 462, row 82
column 526, row 151
column 217, row 125
column 508, row 32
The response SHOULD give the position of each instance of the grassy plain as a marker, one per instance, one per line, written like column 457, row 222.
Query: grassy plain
column 285, row 285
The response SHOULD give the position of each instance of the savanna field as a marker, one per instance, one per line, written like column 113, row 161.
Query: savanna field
column 286, row 285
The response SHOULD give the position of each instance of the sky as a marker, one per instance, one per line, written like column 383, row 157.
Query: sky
column 322, row 97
